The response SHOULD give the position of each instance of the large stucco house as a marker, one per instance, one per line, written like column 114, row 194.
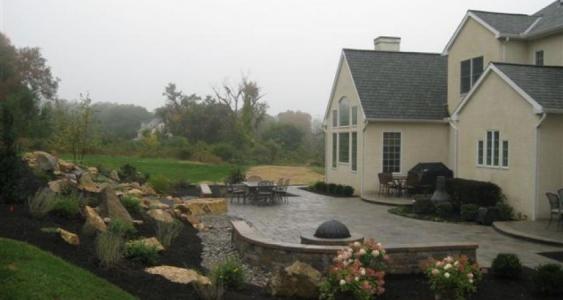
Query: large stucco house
column 490, row 107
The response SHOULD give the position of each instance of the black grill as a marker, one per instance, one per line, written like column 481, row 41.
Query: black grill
column 426, row 174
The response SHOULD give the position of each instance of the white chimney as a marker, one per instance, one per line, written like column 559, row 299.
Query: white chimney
column 388, row 43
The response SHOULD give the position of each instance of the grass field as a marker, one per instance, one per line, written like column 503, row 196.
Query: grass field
column 172, row 169
column 27, row 272
column 196, row 172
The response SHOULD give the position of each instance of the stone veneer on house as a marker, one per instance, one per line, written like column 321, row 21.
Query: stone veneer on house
column 404, row 259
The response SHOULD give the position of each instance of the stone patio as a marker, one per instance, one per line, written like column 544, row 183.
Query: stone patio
column 537, row 231
column 302, row 215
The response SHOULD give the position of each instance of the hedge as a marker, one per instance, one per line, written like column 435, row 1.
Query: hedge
column 480, row 193
column 332, row 189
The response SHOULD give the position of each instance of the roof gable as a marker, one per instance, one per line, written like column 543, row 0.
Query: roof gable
column 540, row 86
column 399, row 85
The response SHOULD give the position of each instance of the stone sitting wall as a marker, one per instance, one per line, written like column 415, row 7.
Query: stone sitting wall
column 404, row 259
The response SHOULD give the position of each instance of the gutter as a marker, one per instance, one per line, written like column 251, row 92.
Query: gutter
column 442, row 121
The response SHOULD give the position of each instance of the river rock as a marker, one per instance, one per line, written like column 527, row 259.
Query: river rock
column 298, row 280
column 160, row 215
column 69, row 237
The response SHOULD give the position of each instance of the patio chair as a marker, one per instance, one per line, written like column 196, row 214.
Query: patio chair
column 254, row 178
column 411, row 183
column 280, row 191
column 382, row 183
column 554, row 208
column 265, row 192
column 388, row 183
column 236, row 191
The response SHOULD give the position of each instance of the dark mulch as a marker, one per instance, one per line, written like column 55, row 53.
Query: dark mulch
column 415, row 287
column 407, row 211
column 558, row 255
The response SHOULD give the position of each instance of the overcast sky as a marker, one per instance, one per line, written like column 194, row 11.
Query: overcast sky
column 126, row 51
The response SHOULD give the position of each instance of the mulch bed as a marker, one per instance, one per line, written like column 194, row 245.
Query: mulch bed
column 185, row 252
column 308, row 189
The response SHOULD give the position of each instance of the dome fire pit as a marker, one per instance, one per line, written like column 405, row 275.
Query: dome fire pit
column 331, row 232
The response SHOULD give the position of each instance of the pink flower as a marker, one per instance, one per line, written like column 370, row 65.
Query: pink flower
column 435, row 272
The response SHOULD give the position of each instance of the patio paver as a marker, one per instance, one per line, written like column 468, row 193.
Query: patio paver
column 305, row 213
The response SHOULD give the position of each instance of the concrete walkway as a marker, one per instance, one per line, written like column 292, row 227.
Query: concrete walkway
column 303, row 214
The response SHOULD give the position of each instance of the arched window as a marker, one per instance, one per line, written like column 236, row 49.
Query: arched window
column 344, row 112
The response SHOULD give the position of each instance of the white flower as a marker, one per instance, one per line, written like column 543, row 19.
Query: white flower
column 362, row 251
column 448, row 266
column 456, row 263
column 447, row 275
column 357, row 244
column 470, row 275
column 470, row 280
column 379, row 245
column 375, row 253
column 342, row 282
column 357, row 278
column 362, row 271
column 435, row 272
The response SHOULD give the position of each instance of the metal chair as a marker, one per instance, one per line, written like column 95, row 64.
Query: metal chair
column 265, row 192
column 554, row 208
column 382, row 184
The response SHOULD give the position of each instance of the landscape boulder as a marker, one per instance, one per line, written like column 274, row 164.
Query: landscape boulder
column 111, row 206
column 199, row 207
column 87, row 184
column 93, row 219
column 58, row 186
column 69, row 237
column 178, row 275
column 45, row 161
column 160, row 215
column 298, row 280
column 113, row 175
column 149, row 242
column 66, row 167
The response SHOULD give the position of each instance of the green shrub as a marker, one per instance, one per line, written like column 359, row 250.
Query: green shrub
column 348, row 191
column 140, row 252
column 206, row 157
column 319, row 186
column 225, row 151
column 236, row 176
column 464, row 191
column 129, row 173
column 166, row 232
column 339, row 190
column 131, row 203
column 161, row 184
column 548, row 279
column 66, row 206
column 469, row 212
column 506, row 265
column 42, row 203
column 109, row 248
column 331, row 188
column 423, row 206
column 121, row 228
column 505, row 211
column 230, row 273
column 444, row 210
column 213, row 291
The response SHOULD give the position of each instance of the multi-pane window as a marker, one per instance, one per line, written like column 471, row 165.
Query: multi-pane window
column 471, row 70
column 334, row 118
column 354, row 115
column 334, row 148
column 505, row 153
column 492, row 153
column 480, row 147
column 344, row 147
column 354, row 151
column 539, row 58
column 391, row 152
column 344, row 112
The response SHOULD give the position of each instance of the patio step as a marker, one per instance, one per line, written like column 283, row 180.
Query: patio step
column 533, row 231
column 376, row 199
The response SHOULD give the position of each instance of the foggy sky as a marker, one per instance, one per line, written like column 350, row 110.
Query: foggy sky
column 126, row 51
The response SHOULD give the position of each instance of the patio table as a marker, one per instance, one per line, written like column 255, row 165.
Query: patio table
column 253, row 188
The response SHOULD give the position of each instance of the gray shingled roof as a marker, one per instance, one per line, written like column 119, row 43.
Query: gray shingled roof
column 543, row 84
column 400, row 85
column 506, row 23
column 544, row 21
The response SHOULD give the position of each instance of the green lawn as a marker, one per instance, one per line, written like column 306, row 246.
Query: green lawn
column 171, row 168
column 27, row 272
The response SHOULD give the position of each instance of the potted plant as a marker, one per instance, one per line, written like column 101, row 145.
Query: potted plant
column 357, row 272
column 453, row 278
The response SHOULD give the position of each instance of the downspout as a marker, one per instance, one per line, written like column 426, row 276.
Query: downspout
column 455, row 145
column 363, row 157
column 325, row 155
column 536, row 167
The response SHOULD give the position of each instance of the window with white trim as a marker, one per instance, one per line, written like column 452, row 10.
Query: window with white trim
column 391, row 152
column 354, row 115
column 354, row 151
column 539, row 58
column 492, row 152
column 334, row 148
column 470, row 71
column 344, row 147
column 334, row 118
column 344, row 112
